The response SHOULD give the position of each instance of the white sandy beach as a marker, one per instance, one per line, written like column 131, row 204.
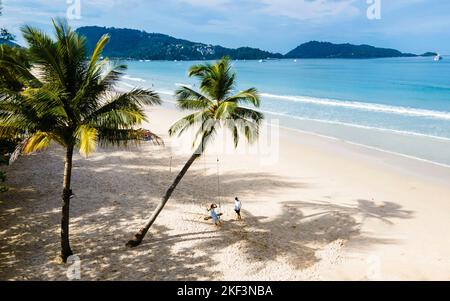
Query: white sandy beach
column 324, row 210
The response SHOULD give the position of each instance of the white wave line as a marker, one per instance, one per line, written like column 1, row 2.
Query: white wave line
column 135, row 79
column 364, row 106
column 360, row 126
column 368, row 147
column 183, row 85
column 165, row 92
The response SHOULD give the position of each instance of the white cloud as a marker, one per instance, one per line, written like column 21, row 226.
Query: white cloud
column 294, row 9
column 207, row 3
column 310, row 9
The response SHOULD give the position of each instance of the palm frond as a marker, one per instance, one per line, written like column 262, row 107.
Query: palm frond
column 97, row 53
column 118, row 137
column 243, row 113
column 126, row 108
column 87, row 139
column 200, row 70
column 14, row 69
column 37, row 142
column 188, row 121
column 191, row 100
column 44, row 53
column 231, row 125
column 46, row 102
column 206, row 138
column 95, row 87
column 207, row 128
column 246, row 97
column 225, row 110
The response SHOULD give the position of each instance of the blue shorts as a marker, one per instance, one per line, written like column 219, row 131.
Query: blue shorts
column 215, row 217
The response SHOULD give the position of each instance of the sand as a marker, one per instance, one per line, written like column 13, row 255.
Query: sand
column 313, row 209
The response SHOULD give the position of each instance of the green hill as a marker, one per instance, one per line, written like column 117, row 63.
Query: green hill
column 135, row 44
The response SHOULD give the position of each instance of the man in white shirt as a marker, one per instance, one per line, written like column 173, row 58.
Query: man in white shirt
column 237, row 207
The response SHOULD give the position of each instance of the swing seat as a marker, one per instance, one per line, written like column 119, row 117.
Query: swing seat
column 207, row 218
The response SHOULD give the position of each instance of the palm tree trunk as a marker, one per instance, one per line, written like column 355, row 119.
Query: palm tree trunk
column 138, row 237
column 65, row 243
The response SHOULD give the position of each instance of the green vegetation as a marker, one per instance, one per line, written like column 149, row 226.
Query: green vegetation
column 316, row 49
column 135, row 44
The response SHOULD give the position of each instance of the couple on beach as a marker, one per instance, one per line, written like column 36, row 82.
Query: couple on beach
column 215, row 216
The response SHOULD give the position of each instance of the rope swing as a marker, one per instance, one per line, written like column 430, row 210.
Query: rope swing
column 218, row 196
column 195, row 197
column 218, row 184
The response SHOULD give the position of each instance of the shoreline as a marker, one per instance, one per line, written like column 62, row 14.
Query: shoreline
column 368, row 147
column 346, row 141
column 377, row 152
column 409, row 165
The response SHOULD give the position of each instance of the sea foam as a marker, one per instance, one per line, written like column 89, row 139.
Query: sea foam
column 134, row 79
column 372, row 107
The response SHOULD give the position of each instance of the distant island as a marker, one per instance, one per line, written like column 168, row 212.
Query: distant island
column 428, row 54
column 317, row 49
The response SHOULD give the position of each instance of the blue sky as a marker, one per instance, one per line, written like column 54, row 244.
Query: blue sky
column 276, row 25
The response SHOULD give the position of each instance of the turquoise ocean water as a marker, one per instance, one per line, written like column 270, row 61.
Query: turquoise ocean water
column 399, row 105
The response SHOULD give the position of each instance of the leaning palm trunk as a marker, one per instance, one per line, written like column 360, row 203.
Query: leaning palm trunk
column 138, row 237
column 66, row 251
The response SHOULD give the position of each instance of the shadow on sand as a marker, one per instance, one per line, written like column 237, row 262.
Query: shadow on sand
column 106, row 212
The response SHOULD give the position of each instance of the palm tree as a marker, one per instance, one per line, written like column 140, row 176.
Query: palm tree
column 215, row 107
column 70, row 100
